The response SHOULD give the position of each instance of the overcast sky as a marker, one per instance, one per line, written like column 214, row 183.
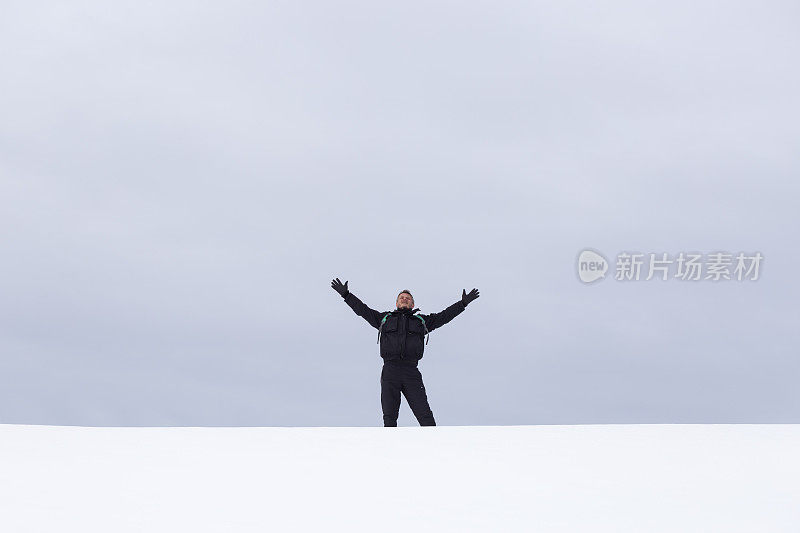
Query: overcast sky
column 180, row 181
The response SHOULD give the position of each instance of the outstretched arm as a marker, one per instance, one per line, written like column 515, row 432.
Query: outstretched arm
column 435, row 320
column 361, row 309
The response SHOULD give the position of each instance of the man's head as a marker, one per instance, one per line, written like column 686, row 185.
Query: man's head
column 405, row 300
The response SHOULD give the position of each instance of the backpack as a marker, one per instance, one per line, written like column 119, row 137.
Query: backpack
column 427, row 333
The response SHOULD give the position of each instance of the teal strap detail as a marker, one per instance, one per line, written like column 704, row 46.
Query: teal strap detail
column 380, row 328
column 424, row 325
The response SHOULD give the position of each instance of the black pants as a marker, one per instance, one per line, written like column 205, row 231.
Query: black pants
column 397, row 377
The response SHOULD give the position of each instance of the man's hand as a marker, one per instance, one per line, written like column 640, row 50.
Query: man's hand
column 339, row 287
column 467, row 298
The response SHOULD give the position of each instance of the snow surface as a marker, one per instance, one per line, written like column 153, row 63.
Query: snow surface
column 615, row 478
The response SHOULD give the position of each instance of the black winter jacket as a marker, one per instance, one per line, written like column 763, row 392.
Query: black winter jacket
column 402, row 333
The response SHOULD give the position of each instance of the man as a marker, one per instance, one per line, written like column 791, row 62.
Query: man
column 400, row 333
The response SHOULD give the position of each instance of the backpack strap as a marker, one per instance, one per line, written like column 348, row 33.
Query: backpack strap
column 424, row 325
column 380, row 328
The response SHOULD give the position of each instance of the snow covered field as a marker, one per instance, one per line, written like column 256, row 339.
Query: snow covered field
column 614, row 478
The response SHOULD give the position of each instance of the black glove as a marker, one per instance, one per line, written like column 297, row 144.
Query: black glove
column 340, row 288
column 467, row 298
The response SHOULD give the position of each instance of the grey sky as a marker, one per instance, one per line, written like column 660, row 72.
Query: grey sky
column 179, row 182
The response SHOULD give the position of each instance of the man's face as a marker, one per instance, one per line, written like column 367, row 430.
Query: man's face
column 405, row 301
